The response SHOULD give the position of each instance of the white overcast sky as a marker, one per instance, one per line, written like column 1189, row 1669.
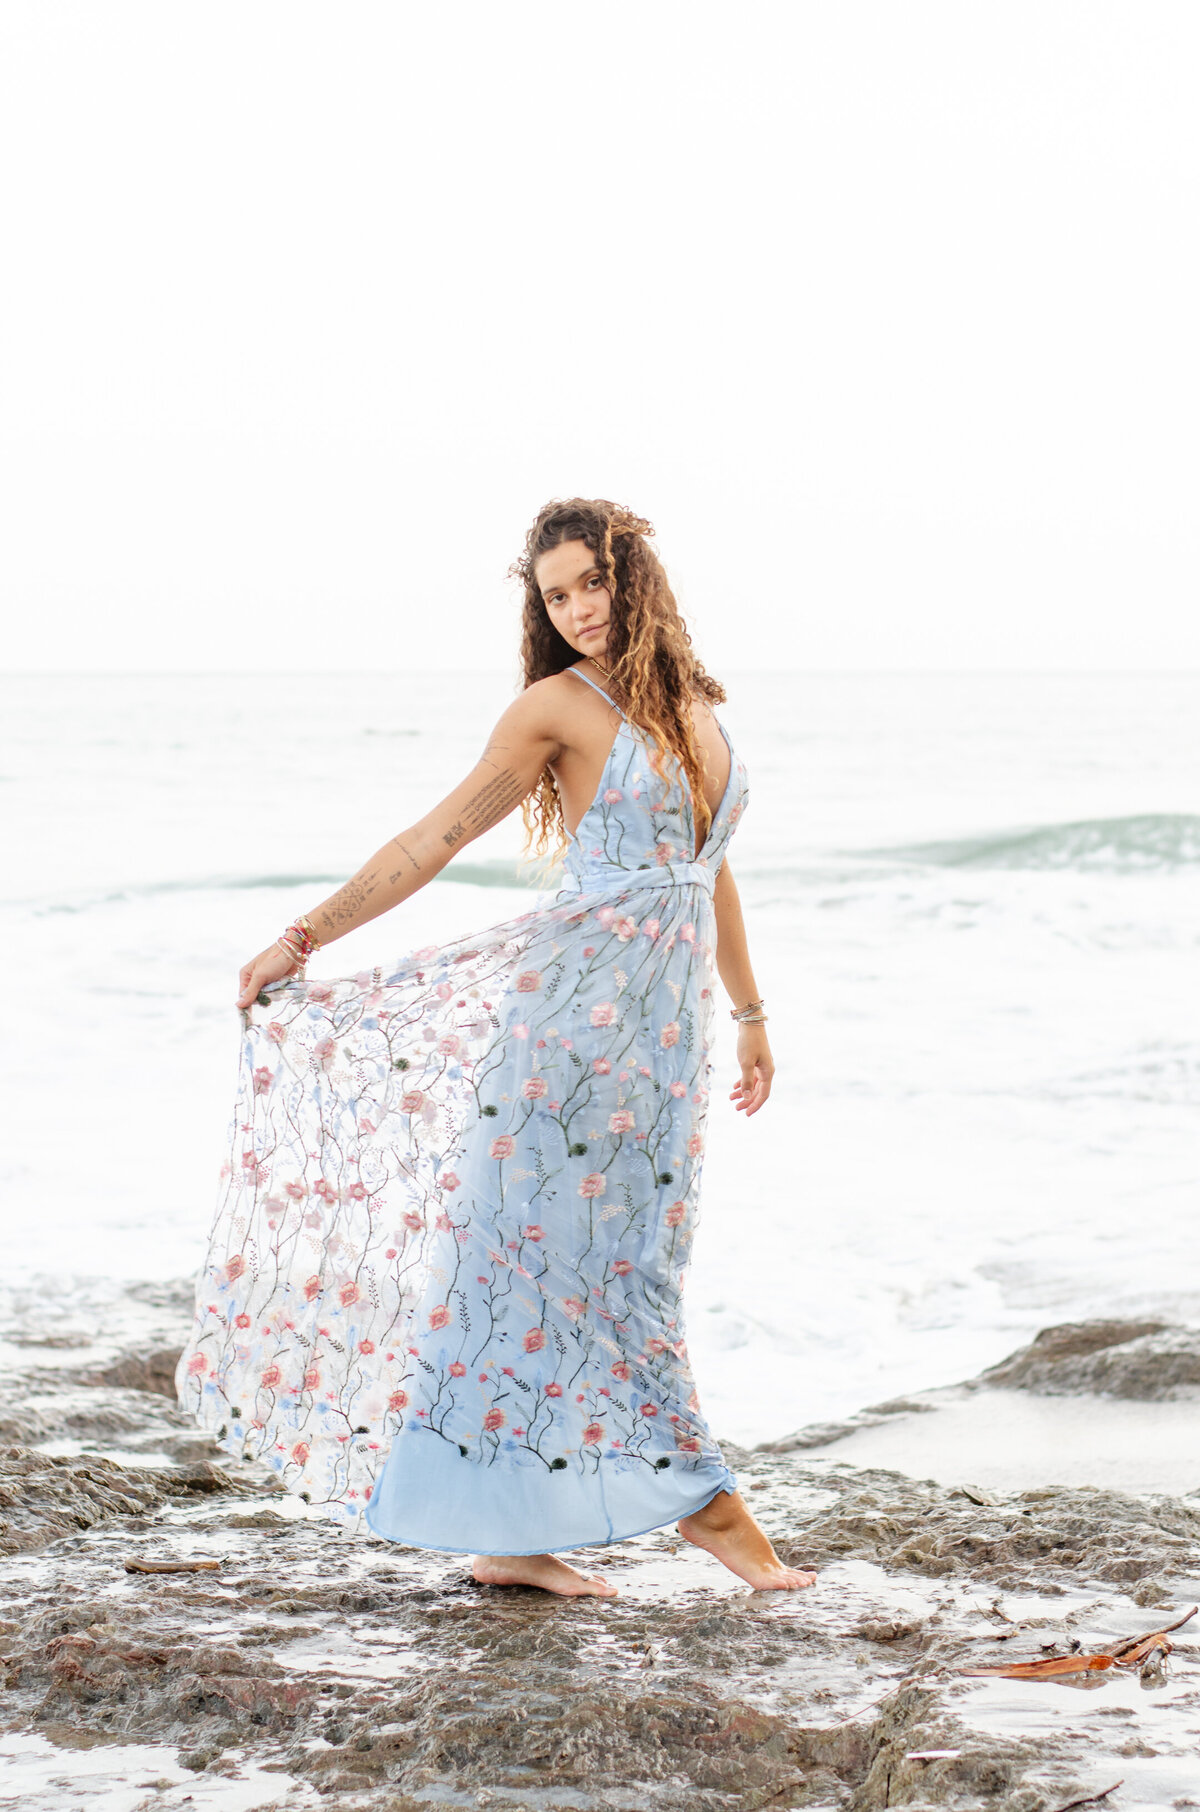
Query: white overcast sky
column 885, row 314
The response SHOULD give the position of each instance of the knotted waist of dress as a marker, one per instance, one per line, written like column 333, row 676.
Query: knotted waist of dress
column 603, row 878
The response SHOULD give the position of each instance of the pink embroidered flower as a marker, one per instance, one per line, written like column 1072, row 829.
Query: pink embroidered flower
column 234, row 1267
column 324, row 1049
column 297, row 1191
column 412, row 1101
column 503, row 1147
column 270, row 1377
column 276, row 1032
column 366, row 1347
column 620, row 1371
column 534, row 1233
column 196, row 1365
column 649, row 1409
column 493, row 1420
column 625, row 929
column 320, row 991
column 606, row 915
column 695, row 1145
column 249, row 1160
column 642, row 1070
column 664, row 853
column 357, row 1192
column 312, row 1378
column 443, row 1223
column 688, row 934
column 679, row 1090
column 669, row 1034
column 529, row 981
column 688, row 1445
column 592, row 1184
column 444, row 991
column 554, row 1390
column 439, row 1317
column 448, row 1180
column 592, row 1433
column 457, row 1369
column 612, row 795
column 312, row 1289
column 534, row 1340
column 573, row 1307
column 300, row 1452
column 675, row 1214
column 553, row 1106
column 349, row 1294
column 262, row 1079
column 650, row 928
column 398, row 1400
column 534, row 1088
column 621, row 1267
column 621, row 1121
column 602, row 1066
column 589, row 949
column 520, row 1031
column 413, row 1221
column 603, row 1014
column 241, row 1321
column 451, row 1046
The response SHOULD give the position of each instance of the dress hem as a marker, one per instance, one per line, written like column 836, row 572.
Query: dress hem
column 603, row 1541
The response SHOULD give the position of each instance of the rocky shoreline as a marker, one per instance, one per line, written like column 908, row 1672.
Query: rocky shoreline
column 313, row 1668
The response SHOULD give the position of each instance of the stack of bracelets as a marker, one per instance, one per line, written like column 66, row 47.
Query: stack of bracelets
column 298, row 941
column 751, row 1015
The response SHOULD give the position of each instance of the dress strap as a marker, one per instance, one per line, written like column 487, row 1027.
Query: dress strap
column 595, row 688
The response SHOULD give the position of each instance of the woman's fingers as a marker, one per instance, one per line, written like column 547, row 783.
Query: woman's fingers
column 751, row 1092
column 269, row 966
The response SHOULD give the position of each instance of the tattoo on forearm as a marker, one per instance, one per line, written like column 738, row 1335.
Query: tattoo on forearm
column 350, row 900
column 405, row 851
column 494, row 800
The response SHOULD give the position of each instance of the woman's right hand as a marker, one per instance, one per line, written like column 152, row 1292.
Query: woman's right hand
column 269, row 966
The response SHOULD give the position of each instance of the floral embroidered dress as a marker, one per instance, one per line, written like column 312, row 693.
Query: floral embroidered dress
column 442, row 1295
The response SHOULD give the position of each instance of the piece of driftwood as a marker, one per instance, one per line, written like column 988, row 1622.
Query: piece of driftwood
column 171, row 1566
column 1131, row 1651
column 1090, row 1799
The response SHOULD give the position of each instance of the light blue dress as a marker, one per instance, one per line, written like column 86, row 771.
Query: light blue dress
column 443, row 1291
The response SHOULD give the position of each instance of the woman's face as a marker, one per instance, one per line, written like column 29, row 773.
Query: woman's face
column 576, row 598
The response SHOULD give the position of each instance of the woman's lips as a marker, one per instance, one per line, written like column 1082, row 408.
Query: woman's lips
column 594, row 630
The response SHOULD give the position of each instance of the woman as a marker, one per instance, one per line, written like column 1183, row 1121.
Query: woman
column 461, row 1194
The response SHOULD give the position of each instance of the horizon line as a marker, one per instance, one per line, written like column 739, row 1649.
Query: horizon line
column 502, row 672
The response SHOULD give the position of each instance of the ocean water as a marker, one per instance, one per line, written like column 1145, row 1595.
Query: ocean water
column 974, row 911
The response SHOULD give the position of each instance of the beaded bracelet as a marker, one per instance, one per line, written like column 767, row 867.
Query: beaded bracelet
column 743, row 1013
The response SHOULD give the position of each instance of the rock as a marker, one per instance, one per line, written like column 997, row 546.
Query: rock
column 153, row 1370
column 1145, row 1360
column 382, row 1677
column 45, row 1496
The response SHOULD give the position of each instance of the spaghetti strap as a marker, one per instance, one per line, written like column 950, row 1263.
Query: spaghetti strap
column 595, row 688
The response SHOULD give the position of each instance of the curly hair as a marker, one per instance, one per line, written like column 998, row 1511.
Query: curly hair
column 655, row 673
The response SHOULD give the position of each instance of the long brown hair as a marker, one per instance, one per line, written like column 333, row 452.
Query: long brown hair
column 655, row 673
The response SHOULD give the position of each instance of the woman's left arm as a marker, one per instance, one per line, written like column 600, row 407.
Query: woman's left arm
column 737, row 976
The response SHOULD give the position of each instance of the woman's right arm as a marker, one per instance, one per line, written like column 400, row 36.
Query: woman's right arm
column 525, row 738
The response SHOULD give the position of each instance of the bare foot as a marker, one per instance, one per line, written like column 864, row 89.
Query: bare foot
column 543, row 1570
column 726, row 1529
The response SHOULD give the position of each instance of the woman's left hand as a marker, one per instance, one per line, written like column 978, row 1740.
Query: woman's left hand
column 754, row 1061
